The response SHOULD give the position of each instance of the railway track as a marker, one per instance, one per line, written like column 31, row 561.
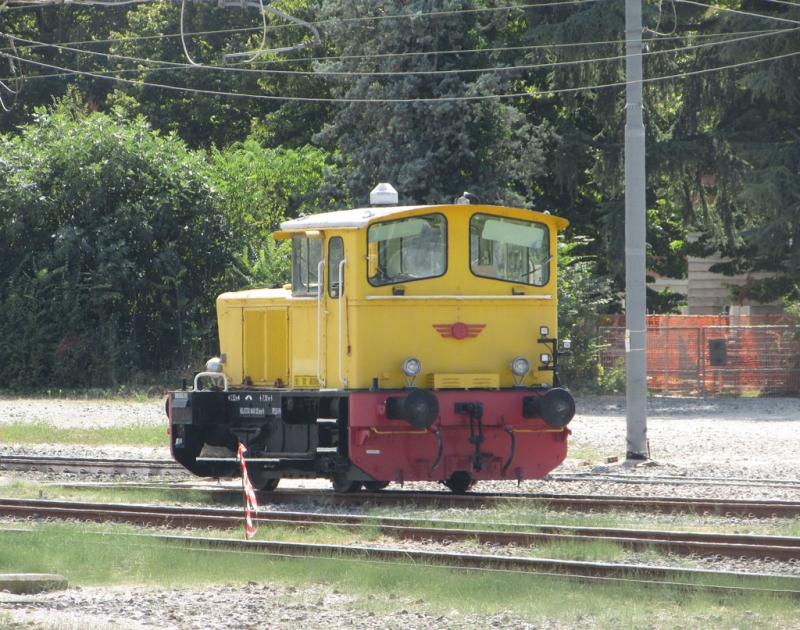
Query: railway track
column 575, row 502
column 92, row 465
column 676, row 542
column 563, row 502
column 681, row 543
column 675, row 480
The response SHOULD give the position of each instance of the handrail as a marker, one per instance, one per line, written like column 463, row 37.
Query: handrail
column 221, row 375
column 320, row 294
column 342, row 263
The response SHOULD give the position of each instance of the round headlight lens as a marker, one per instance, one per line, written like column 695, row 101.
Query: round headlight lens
column 412, row 366
column 520, row 366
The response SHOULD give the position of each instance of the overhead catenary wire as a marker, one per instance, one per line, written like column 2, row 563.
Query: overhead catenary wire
column 64, row 71
column 378, row 73
column 738, row 12
column 17, row 79
column 655, row 31
column 26, row 4
column 344, row 100
column 784, row 2
column 284, row 60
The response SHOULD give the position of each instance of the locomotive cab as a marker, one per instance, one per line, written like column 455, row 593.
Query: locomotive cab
column 413, row 344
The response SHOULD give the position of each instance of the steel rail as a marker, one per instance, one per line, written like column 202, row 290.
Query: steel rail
column 683, row 543
column 591, row 572
column 577, row 502
column 728, row 507
column 630, row 573
column 93, row 465
column 673, row 480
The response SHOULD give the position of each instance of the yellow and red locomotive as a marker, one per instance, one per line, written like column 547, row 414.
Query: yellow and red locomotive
column 414, row 343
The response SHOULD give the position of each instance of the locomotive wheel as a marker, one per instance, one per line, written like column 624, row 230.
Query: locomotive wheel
column 342, row 484
column 260, row 481
column 459, row 482
column 375, row 486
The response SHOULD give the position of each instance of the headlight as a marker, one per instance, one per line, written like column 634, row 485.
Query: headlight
column 214, row 365
column 545, row 358
column 567, row 344
column 520, row 366
column 544, row 331
column 412, row 367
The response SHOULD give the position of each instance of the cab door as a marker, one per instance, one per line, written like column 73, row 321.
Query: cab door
column 336, row 309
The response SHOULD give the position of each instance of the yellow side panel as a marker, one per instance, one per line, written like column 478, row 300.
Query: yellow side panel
column 277, row 345
column 230, row 333
column 255, row 344
column 304, row 366
column 265, row 345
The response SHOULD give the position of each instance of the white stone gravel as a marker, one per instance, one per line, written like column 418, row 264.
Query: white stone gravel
column 725, row 439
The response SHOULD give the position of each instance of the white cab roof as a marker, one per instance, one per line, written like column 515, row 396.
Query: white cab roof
column 361, row 217
column 357, row 218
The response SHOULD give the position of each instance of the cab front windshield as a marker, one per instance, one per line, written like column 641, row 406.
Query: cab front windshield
column 407, row 249
column 509, row 249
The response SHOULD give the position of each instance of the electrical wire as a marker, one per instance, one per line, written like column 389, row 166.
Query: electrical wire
column 183, row 39
column 334, row 73
column 655, row 31
column 335, row 100
column 228, row 31
column 18, row 78
column 524, row 7
column 790, row 4
column 737, row 12
column 331, row 73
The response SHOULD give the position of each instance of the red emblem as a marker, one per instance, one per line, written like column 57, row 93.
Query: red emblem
column 459, row 330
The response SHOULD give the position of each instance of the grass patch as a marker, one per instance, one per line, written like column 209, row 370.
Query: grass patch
column 588, row 453
column 42, row 432
column 110, row 555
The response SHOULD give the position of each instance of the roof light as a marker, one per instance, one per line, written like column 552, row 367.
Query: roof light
column 383, row 195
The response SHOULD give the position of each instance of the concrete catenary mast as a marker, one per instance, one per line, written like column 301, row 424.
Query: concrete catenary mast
column 635, row 240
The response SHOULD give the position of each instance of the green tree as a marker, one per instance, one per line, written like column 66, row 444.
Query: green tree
column 113, row 246
column 131, row 57
column 263, row 187
column 582, row 296
column 733, row 160
column 575, row 50
column 416, row 127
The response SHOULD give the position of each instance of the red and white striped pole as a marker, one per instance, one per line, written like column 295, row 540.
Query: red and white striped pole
column 250, row 503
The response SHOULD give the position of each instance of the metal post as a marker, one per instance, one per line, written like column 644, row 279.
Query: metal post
column 635, row 240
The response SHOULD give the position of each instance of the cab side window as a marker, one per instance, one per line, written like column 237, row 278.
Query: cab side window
column 307, row 253
column 509, row 249
column 335, row 256
column 407, row 249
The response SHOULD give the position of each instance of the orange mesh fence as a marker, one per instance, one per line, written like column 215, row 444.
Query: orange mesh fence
column 713, row 355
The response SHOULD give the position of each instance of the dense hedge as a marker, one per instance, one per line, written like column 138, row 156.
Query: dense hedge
column 112, row 249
